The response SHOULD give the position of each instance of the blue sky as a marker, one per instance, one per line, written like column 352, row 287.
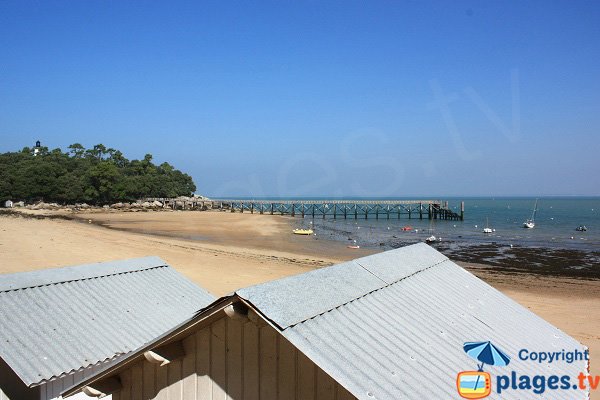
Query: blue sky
column 310, row 98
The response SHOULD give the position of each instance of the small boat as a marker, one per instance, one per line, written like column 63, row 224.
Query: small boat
column 432, row 238
column 487, row 228
column 353, row 246
column 302, row 231
column 407, row 228
column 581, row 228
column 530, row 223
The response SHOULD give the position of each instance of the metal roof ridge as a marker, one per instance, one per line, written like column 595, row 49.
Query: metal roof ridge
column 52, row 276
column 338, row 284
column 368, row 293
column 400, row 279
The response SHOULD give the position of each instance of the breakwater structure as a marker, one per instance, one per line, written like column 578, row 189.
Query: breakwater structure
column 363, row 209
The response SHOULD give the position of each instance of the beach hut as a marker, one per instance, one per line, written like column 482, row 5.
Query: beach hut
column 387, row 326
column 8, row 204
column 59, row 326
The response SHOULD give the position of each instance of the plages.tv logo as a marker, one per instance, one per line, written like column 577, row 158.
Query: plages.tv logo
column 478, row 384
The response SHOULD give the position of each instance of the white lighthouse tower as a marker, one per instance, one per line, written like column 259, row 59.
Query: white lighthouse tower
column 37, row 147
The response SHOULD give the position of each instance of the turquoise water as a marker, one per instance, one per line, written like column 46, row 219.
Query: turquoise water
column 556, row 220
column 553, row 247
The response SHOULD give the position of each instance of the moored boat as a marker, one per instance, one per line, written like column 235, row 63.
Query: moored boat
column 353, row 246
column 302, row 231
column 487, row 228
column 530, row 223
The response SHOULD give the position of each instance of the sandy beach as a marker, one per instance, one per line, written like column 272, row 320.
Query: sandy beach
column 225, row 251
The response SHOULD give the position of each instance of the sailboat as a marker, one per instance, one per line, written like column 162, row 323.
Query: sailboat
column 432, row 238
column 530, row 223
column 487, row 228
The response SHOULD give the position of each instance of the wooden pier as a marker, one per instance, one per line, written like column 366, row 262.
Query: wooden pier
column 342, row 209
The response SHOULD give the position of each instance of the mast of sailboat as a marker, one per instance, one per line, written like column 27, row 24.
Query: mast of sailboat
column 534, row 210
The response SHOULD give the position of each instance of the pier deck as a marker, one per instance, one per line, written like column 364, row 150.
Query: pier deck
column 364, row 209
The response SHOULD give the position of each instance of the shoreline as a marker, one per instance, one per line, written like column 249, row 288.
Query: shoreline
column 239, row 250
column 547, row 259
column 235, row 236
column 261, row 235
column 269, row 232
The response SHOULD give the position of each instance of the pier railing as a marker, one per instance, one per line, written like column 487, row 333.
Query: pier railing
column 364, row 209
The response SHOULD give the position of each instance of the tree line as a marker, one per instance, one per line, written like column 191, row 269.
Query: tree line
column 98, row 175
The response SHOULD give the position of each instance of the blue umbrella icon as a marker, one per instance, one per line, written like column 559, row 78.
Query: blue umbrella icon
column 487, row 353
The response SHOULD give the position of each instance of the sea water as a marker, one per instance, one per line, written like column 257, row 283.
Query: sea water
column 553, row 247
column 556, row 221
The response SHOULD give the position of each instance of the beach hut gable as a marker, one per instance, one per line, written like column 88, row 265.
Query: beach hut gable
column 62, row 325
column 218, row 355
column 387, row 326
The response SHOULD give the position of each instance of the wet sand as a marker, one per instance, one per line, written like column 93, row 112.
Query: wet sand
column 550, row 259
column 249, row 231
column 224, row 251
column 234, row 250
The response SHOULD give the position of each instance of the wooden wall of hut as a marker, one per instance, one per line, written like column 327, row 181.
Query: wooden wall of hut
column 233, row 360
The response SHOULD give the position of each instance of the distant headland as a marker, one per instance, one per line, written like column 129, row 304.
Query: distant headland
column 98, row 176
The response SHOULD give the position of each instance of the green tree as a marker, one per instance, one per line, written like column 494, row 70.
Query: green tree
column 77, row 150
column 98, row 175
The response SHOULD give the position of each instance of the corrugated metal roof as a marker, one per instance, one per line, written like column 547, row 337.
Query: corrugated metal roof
column 394, row 265
column 327, row 288
column 60, row 320
column 288, row 307
column 403, row 340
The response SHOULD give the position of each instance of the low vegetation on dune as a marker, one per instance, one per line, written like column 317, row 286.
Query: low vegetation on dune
column 98, row 175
